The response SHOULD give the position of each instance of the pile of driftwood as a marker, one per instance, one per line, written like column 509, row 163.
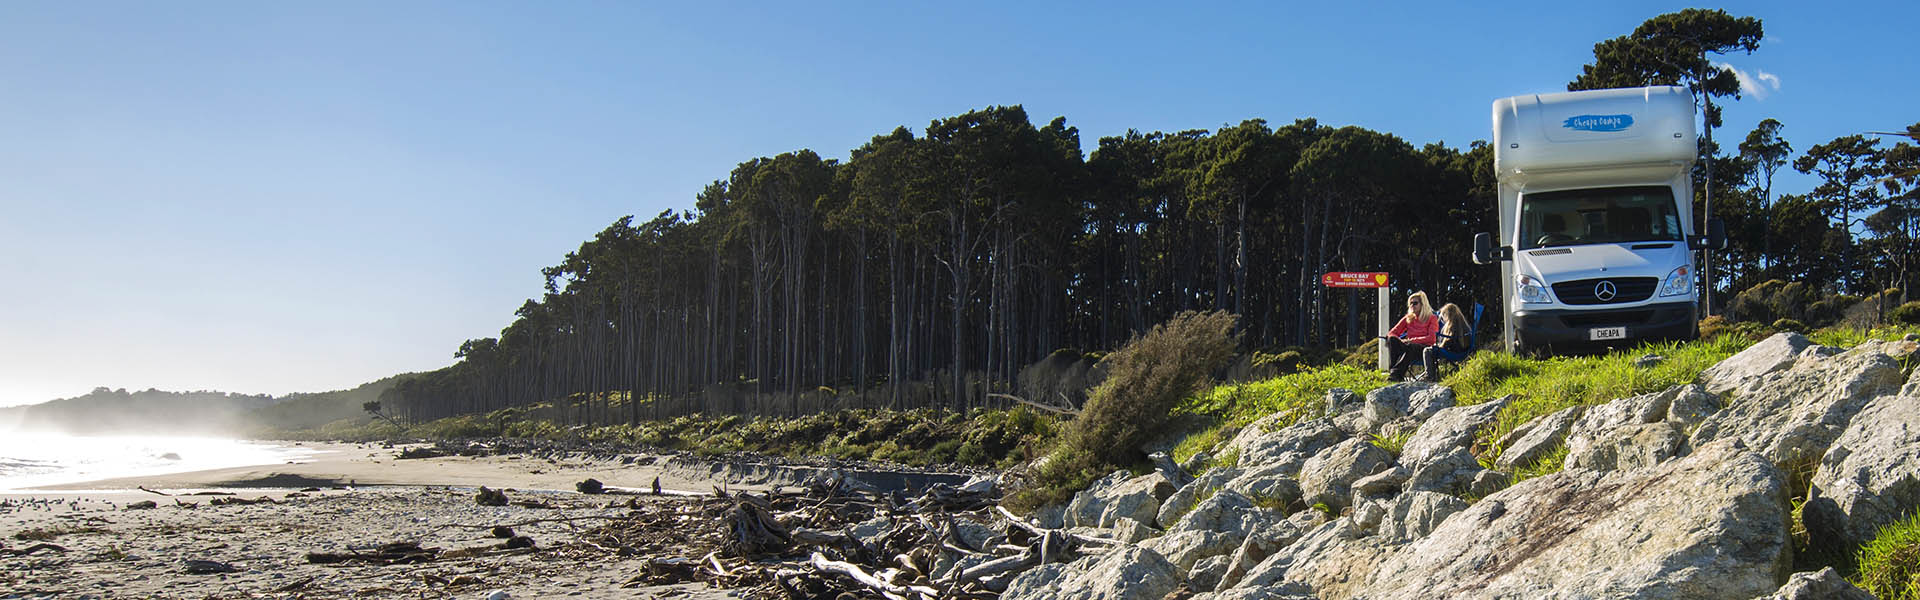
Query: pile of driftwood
column 827, row 542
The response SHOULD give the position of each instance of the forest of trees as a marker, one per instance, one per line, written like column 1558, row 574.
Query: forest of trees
column 984, row 243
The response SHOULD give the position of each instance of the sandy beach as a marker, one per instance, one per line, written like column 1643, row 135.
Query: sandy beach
column 259, row 524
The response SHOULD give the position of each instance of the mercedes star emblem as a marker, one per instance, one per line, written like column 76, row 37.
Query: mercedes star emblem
column 1605, row 291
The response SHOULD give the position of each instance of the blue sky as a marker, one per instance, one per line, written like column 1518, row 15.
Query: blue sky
column 271, row 197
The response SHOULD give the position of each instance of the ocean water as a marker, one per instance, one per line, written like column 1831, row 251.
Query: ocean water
column 29, row 460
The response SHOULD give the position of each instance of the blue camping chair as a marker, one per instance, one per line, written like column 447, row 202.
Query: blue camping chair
column 1446, row 355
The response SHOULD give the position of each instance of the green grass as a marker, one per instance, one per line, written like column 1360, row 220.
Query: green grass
column 1542, row 387
column 1889, row 566
column 1848, row 337
column 1295, row 396
column 1552, row 462
column 1393, row 444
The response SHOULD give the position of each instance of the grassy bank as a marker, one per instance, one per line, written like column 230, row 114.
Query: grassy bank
column 986, row 438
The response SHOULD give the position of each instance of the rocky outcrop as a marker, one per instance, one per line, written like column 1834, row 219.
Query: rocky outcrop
column 1413, row 515
column 1870, row 477
column 1137, row 498
column 1274, row 485
column 1182, row 501
column 1827, row 584
column 1772, row 354
column 1449, row 428
column 1184, row 548
column 1452, row 472
column 1088, row 504
column 1230, row 513
column 1334, row 560
column 1532, row 441
column 1709, row 525
column 1131, row 573
column 1328, row 477
column 1630, row 447
column 1272, row 592
column 1287, row 448
column 1263, row 543
column 1798, row 412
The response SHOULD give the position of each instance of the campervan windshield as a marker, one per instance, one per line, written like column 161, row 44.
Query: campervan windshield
column 1599, row 216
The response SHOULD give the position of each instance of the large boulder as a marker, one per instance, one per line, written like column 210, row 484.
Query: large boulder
column 1272, row 485
column 1138, row 499
column 1772, row 354
column 1870, row 477
column 1229, row 513
column 1184, row 548
column 1532, row 441
column 1712, row 525
column 1795, row 414
column 1131, row 573
column 1286, row 448
column 1334, row 559
column 1088, row 504
column 1691, row 404
column 1328, row 477
column 1262, row 543
column 1413, row 515
column 1273, row 592
column 1827, row 584
column 1450, row 428
column 1630, row 447
column 1206, row 574
column 1600, row 420
column 1450, row 472
column 1182, row 501
column 1385, row 484
column 1420, row 400
column 1106, row 502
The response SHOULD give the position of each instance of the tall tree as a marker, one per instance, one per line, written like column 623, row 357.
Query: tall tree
column 1672, row 49
column 1767, row 152
column 1847, row 167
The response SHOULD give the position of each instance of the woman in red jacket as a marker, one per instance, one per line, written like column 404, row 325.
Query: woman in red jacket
column 1416, row 331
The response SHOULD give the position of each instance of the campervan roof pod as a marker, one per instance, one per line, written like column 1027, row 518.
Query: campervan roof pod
column 1540, row 134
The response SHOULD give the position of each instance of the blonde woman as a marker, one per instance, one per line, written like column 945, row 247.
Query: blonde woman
column 1455, row 330
column 1416, row 331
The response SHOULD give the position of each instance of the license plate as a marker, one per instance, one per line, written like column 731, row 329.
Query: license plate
column 1607, row 333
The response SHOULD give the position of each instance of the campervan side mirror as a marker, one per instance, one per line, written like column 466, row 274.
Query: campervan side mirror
column 1484, row 253
column 1715, row 239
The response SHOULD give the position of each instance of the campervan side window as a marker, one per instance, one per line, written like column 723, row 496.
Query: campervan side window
column 1598, row 216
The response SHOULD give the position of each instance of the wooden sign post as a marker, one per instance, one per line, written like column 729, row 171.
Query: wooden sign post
column 1357, row 279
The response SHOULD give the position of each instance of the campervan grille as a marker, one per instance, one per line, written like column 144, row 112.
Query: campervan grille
column 1626, row 289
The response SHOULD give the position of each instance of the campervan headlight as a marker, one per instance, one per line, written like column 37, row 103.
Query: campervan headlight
column 1680, row 281
column 1531, row 290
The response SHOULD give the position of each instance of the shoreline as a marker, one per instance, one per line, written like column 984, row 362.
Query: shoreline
column 105, row 541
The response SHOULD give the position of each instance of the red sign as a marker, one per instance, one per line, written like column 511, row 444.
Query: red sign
column 1347, row 279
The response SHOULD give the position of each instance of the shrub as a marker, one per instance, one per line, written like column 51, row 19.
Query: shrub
column 1146, row 379
column 1149, row 376
column 1890, row 564
column 1790, row 325
column 1906, row 314
column 1366, row 356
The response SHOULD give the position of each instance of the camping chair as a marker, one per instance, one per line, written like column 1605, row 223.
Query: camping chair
column 1447, row 356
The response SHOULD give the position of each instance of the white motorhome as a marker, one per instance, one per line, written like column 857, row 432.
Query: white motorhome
column 1596, row 234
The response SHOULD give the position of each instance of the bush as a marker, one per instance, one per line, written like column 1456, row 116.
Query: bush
column 1890, row 564
column 1790, row 325
column 1146, row 379
column 1149, row 376
column 1906, row 314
